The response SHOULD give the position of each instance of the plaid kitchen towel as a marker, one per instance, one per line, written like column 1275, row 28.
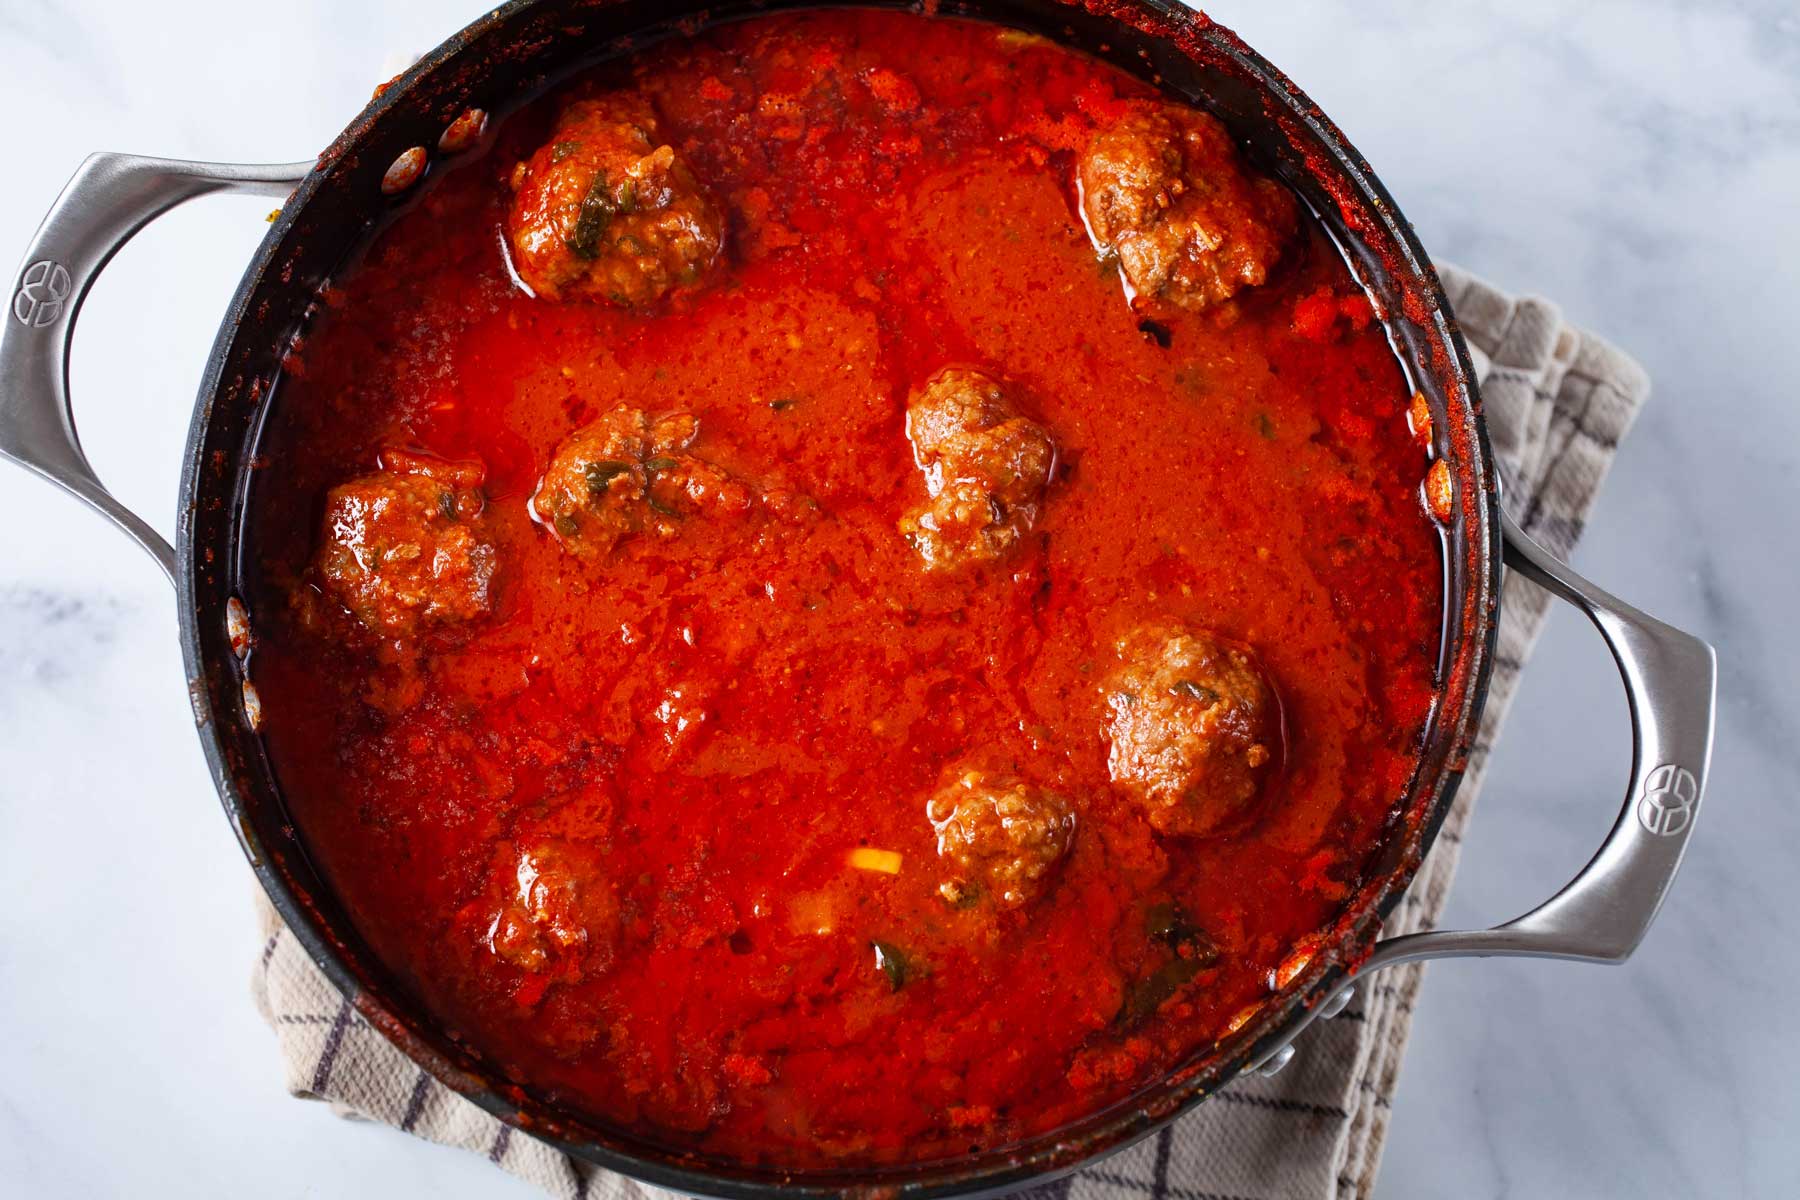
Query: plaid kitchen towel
column 1558, row 401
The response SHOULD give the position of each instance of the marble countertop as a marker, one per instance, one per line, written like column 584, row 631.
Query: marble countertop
column 1639, row 163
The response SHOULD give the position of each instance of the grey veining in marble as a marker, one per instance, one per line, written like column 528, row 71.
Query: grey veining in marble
column 1637, row 162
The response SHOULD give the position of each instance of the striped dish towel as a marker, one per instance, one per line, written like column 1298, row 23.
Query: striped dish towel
column 1558, row 401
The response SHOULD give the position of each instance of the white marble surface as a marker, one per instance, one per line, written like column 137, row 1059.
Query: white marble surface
column 1638, row 162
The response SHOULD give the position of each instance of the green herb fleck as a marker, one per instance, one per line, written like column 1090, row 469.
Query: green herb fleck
column 447, row 505
column 1157, row 332
column 562, row 150
column 656, row 503
column 1193, row 691
column 597, row 209
column 628, row 200
column 893, row 964
column 1192, row 380
column 565, row 525
column 1165, row 922
column 783, row 402
column 601, row 473
column 1149, row 994
column 959, row 894
column 1162, row 921
column 1265, row 425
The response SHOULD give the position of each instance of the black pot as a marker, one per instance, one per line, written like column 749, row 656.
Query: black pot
column 515, row 52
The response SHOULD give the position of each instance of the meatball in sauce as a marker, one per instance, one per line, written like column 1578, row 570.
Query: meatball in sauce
column 985, row 469
column 628, row 472
column 407, row 551
column 608, row 210
column 1164, row 189
column 998, row 838
column 1194, row 729
column 552, row 900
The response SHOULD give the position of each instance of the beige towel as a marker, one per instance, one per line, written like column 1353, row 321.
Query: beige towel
column 1558, row 400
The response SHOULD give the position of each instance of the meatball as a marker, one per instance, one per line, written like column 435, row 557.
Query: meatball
column 998, row 837
column 985, row 470
column 553, row 902
column 1164, row 188
column 606, row 209
column 627, row 472
column 1194, row 724
column 406, row 551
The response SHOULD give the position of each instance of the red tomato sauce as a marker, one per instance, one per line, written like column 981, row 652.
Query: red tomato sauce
column 693, row 733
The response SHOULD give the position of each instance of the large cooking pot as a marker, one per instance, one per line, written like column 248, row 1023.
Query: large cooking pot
column 339, row 200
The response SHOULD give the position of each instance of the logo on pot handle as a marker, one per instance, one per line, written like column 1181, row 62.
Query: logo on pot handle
column 42, row 291
column 1667, row 805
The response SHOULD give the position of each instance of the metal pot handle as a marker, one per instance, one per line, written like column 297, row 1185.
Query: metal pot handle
column 110, row 198
column 1603, row 913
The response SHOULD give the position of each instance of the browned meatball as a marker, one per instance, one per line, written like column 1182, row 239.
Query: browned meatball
column 625, row 473
column 607, row 210
column 1194, row 724
column 1164, row 188
column 985, row 470
column 407, row 551
column 552, row 901
column 998, row 837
